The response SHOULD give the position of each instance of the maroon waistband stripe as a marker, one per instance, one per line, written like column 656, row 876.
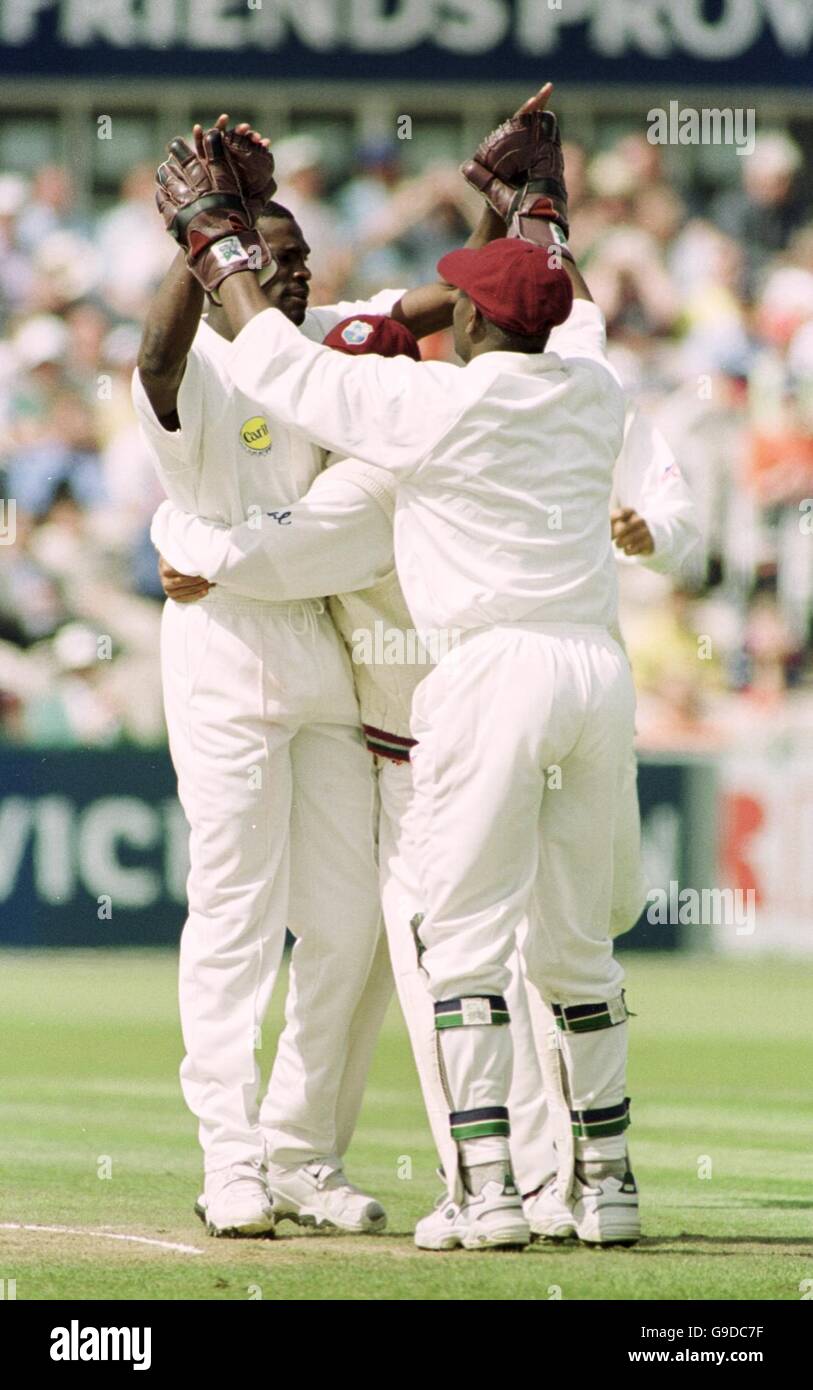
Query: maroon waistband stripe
column 384, row 737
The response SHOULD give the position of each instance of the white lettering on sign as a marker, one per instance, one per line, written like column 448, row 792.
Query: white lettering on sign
column 792, row 23
column 214, row 24
column 90, row 21
column 54, row 856
column 641, row 27
column 19, row 19
column 16, row 819
column 318, row 24
column 613, row 28
column 384, row 29
column 94, row 849
column 160, row 23
column 473, row 26
column 537, row 25
column 104, row 826
column 735, row 28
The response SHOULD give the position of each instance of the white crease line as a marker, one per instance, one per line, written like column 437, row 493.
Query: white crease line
column 106, row 1235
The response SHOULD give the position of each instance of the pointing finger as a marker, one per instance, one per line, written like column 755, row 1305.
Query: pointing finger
column 181, row 150
column 537, row 102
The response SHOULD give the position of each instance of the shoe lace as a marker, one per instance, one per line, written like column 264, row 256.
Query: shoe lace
column 329, row 1178
column 249, row 1170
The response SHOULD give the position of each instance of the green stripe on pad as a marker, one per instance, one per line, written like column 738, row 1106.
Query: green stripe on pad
column 481, row 1129
column 601, row 1124
column 585, row 1025
column 471, row 1011
column 589, row 1018
column 456, row 1020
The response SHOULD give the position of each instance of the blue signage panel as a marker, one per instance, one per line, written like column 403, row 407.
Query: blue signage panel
column 93, row 847
column 754, row 42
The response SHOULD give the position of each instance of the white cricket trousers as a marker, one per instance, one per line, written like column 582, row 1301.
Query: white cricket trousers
column 540, row 1119
column 279, row 793
column 532, row 1136
column 524, row 736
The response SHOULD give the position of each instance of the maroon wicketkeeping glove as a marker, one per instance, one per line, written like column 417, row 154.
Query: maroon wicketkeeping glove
column 519, row 169
column 203, row 208
column 254, row 166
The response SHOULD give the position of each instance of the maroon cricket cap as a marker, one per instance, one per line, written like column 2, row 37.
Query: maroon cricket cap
column 373, row 333
column 513, row 284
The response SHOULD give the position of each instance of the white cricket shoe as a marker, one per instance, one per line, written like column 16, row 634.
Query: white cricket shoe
column 235, row 1202
column 605, row 1203
column 493, row 1219
column 318, row 1194
column 548, row 1215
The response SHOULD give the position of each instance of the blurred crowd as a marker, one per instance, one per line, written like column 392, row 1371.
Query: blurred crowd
column 709, row 302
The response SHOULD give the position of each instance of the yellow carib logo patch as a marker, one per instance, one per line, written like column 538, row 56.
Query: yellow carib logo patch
column 255, row 435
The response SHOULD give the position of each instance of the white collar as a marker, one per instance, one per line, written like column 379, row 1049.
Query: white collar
column 522, row 363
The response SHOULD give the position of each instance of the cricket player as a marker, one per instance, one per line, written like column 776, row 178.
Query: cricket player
column 537, row 679
column 275, row 783
column 339, row 537
column 272, row 772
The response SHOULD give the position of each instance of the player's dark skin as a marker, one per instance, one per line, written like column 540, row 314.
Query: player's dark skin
column 174, row 314
column 171, row 327
column 630, row 532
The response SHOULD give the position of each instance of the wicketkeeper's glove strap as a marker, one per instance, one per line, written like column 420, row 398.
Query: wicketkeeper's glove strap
column 203, row 208
column 222, row 202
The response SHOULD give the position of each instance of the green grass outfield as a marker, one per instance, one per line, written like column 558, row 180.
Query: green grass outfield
column 721, row 1071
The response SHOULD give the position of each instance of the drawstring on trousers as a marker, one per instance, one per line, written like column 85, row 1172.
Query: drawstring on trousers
column 303, row 616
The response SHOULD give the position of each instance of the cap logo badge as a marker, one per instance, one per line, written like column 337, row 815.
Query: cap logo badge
column 357, row 333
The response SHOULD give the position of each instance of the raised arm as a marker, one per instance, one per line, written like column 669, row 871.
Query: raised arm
column 519, row 171
column 185, row 182
column 428, row 308
column 577, row 280
column 169, row 330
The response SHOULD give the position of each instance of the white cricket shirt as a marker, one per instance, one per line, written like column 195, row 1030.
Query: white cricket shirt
column 504, row 467
column 648, row 479
column 337, row 539
column 230, row 460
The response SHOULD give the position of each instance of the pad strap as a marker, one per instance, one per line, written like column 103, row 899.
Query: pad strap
column 589, row 1018
column 471, row 1012
column 215, row 201
column 479, row 1124
column 536, row 226
column 545, row 190
column 601, row 1124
